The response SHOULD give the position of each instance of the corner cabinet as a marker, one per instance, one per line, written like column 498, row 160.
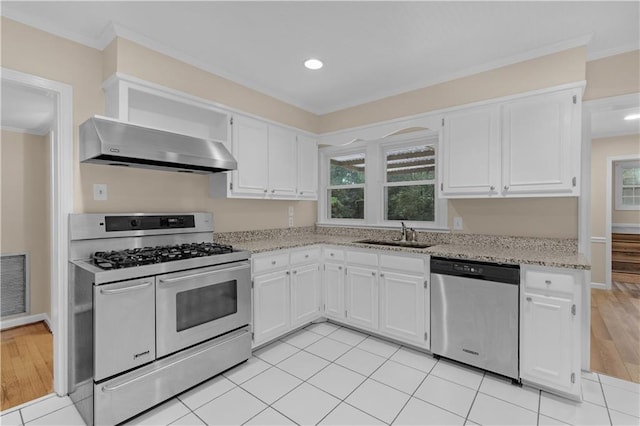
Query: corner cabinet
column 550, row 328
column 286, row 292
column 274, row 162
column 525, row 147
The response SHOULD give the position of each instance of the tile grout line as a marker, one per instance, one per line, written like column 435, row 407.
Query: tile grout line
column 474, row 399
column 604, row 397
column 539, row 404
column 414, row 392
column 357, row 387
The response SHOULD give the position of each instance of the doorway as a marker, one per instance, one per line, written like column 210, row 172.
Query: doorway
column 615, row 228
column 37, row 121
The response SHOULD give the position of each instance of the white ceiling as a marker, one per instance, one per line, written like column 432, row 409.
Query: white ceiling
column 371, row 49
column 610, row 122
column 27, row 109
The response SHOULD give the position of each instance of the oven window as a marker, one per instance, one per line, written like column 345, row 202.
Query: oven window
column 206, row 304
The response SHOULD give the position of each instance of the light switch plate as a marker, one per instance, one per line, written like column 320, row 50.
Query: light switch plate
column 457, row 223
column 100, row 191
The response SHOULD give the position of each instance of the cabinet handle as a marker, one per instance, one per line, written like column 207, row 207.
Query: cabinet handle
column 506, row 187
column 125, row 289
column 373, row 274
column 339, row 268
column 306, row 256
column 288, row 273
column 273, row 262
column 382, row 275
column 295, row 272
column 528, row 299
column 331, row 254
column 547, row 282
column 492, row 187
column 265, row 191
column 301, row 192
column 273, row 191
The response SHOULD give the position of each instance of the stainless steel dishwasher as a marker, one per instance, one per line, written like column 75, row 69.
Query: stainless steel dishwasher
column 474, row 314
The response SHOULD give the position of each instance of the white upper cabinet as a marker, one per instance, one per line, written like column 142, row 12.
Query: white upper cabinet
column 282, row 162
column 307, row 183
column 250, row 149
column 527, row 147
column 471, row 152
column 537, row 144
column 274, row 162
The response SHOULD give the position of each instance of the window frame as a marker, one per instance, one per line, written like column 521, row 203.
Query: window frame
column 620, row 168
column 375, row 178
column 326, row 187
column 402, row 143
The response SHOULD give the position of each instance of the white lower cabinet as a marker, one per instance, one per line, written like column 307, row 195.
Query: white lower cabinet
column 404, row 302
column 362, row 297
column 271, row 305
column 305, row 294
column 550, row 329
column 333, row 290
column 286, row 292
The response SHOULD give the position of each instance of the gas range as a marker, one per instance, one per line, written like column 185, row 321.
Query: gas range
column 156, row 307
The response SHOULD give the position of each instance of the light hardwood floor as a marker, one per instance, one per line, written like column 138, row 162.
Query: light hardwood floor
column 26, row 358
column 615, row 330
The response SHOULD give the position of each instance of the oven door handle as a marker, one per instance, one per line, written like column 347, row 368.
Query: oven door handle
column 170, row 281
column 125, row 289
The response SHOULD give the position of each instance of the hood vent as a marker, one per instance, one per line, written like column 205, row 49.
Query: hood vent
column 108, row 141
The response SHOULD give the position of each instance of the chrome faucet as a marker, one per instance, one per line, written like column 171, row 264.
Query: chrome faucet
column 404, row 232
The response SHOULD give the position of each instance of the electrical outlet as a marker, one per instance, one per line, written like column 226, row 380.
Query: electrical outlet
column 290, row 211
column 100, row 191
column 290, row 221
column 457, row 223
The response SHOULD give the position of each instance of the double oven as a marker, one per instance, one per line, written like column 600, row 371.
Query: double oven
column 155, row 308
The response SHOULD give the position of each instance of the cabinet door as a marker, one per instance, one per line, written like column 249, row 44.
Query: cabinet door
column 271, row 304
column 250, row 148
column 402, row 306
column 305, row 294
column 362, row 297
column 282, row 162
column 471, row 158
column 307, row 168
column 333, row 284
column 546, row 342
column 127, row 305
column 537, row 143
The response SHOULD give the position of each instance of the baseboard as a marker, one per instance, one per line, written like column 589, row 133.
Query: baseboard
column 24, row 320
column 625, row 228
column 601, row 286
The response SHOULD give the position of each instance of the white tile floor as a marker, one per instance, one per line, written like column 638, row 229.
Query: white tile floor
column 332, row 375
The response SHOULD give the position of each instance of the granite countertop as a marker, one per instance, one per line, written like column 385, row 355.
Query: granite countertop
column 506, row 250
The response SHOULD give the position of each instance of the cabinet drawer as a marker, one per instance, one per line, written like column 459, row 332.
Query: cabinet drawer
column 304, row 256
column 543, row 280
column 333, row 253
column 270, row 262
column 362, row 258
column 402, row 263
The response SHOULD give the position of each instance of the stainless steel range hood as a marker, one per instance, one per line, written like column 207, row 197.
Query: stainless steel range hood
column 107, row 141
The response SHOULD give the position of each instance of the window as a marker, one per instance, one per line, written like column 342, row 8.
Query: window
column 382, row 182
column 346, row 186
column 409, row 188
column 628, row 185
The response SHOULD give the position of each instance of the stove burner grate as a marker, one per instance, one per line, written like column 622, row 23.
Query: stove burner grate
column 150, row 255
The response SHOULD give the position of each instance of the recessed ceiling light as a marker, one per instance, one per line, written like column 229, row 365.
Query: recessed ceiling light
column 313, row 64
column 632, row 117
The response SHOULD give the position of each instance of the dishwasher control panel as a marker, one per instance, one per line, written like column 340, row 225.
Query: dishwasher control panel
column 503, row 273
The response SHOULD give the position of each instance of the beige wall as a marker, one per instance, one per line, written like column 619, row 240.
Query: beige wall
column 551, row 70
column 24, row 225
column 613, row 76
column 600, row 150
column 35, row 52
column 525, row 217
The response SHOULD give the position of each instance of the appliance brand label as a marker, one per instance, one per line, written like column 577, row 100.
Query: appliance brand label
column 470, row 351
column 114, row 150
column 136, row 356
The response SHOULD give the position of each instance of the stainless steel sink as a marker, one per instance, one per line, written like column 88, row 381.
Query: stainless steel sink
column 394, row 243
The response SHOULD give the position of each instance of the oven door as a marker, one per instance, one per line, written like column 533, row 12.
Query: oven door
column 200, row 304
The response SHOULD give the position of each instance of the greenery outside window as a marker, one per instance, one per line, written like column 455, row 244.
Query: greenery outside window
column 345, row 190
column 628, row 185
column 409, row 186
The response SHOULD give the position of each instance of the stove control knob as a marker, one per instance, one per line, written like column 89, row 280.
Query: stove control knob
column 135, row 222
